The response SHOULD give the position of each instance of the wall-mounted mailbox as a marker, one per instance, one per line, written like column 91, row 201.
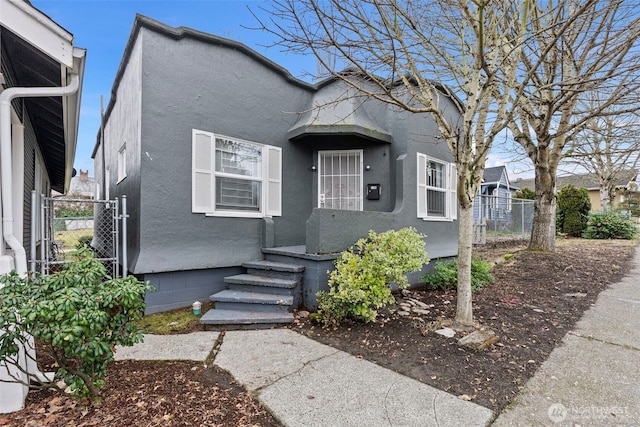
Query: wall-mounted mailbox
column 373, row 191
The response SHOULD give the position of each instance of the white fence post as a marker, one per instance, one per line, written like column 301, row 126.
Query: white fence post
column 125, row 270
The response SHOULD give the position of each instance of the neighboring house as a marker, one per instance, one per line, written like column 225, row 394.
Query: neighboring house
column 82, row 186
column 590, row 182
column 203, row 136
column 494, row 199
column 41, row 80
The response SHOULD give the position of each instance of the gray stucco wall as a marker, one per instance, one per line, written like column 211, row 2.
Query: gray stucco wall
column 181, row 288
column 330, row 231
column 124, row 127
column 189, row 84
column 172, row 85
column 395, row 168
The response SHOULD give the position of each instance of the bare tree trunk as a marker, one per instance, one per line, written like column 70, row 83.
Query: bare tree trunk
column 464, row 310
column 605, row 197
column 543, row 231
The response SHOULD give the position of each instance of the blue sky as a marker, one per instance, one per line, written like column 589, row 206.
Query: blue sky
column 103, row 26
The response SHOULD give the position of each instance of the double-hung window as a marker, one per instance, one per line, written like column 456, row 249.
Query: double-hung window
column 122, row 162
column 436, row 189
column 233, row 177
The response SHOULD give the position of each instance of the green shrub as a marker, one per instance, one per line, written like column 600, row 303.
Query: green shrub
column 84, row 241
column 445, row 275
column 573, row 210
column 361, row 281
column 79, row 314
column 610, row 225
column 525, row 193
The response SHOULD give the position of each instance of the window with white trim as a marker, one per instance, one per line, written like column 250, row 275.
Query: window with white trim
column 437, row 182
column 122, row 162
column 233, row 177
column 340, row 179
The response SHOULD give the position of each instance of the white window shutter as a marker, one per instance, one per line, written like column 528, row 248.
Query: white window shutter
column 202, row 168
column 273, row 181
column 422, row 185
column 453, row 180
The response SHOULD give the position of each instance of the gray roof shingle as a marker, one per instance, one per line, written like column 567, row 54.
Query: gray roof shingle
column 588, row 180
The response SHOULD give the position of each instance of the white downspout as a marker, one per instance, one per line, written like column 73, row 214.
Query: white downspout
column 6, row 96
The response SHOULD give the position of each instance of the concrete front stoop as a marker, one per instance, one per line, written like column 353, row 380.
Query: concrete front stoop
column 263, row 297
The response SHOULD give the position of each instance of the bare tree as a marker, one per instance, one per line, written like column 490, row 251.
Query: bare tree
column 609, row 148
column 410, row 54
column 586, row 48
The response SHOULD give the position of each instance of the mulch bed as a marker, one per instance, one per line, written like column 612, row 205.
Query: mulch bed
column 535, row 299
column 150, row 393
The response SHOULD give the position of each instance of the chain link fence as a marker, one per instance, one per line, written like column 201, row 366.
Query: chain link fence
column 70, row 224
column 501, row 218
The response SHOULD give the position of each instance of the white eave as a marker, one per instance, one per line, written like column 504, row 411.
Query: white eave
column 71, row 113
column 38, row 29
column 45, row 36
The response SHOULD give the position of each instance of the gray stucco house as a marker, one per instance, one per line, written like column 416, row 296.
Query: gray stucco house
column 234, row 170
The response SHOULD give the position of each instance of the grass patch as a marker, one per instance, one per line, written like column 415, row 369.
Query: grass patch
column 70, row 238
column 178, row 321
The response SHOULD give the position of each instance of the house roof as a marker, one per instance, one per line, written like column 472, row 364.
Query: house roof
column 493, row 174
column 588, row 180
column 37, row 52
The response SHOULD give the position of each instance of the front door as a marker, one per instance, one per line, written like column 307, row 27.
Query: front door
column 340, row 180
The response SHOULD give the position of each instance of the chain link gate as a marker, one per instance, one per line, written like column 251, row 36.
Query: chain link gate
column 69, row 224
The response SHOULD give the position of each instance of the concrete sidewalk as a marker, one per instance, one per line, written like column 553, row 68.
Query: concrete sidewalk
column 593, row 378
column 306, row 383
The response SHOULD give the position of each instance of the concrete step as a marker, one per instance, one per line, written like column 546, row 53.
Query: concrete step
column 251, row 298
column 251, row 279
column 235, row 319
column 251, row 301
column 262, row 289
column 274, row 266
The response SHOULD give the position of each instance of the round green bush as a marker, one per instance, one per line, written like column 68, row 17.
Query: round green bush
column 361, row 281
column 610, row 225
column 445, row 275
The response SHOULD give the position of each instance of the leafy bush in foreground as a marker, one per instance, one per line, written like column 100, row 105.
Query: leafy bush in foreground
column 445, row 275
column 361, row 282
column 79, row 314
column 610, row 225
